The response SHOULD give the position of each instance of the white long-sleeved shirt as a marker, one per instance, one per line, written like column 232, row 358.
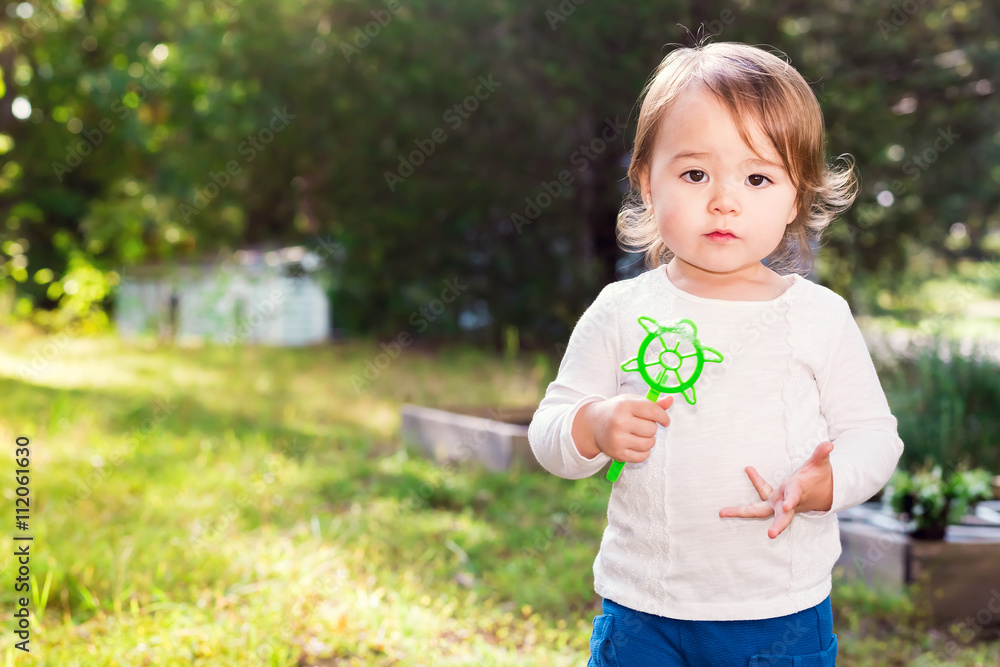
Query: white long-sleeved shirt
column 796, row 372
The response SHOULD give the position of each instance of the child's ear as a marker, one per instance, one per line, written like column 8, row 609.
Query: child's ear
column 793, row 213
column 645, row 190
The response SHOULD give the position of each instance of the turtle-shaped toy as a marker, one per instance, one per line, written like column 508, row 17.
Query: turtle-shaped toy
column 677, row 366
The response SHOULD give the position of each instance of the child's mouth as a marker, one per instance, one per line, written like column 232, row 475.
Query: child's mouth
column 720, row 237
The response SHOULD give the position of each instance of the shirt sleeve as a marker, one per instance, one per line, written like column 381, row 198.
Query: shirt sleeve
column 866, row 446
column 587, row 373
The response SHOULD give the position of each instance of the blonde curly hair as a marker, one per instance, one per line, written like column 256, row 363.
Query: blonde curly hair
column 758, row 88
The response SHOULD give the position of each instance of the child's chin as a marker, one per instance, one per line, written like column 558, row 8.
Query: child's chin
column 722, row 267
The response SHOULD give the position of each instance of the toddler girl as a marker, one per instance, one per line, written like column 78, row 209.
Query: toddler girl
column 728, row 170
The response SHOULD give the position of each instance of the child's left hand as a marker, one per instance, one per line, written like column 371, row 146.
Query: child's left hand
column 810, row 488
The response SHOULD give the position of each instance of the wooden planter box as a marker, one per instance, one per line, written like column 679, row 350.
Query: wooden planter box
column 497, row 439
column 960, row 575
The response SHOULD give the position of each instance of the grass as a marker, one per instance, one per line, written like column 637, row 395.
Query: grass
column 250, row 506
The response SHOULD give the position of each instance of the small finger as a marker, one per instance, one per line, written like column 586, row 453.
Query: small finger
column 763, row 488
column 636, row 449
column 793, row 496
column 665, row 401
column 629, row 456
column 653, row 412
column 756, row 511
column 781, row 521
column 643, row 428
column 641, row 443
column 822, row 451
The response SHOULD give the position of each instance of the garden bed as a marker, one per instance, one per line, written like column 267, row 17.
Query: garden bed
column 959, row 576
column 497, row 439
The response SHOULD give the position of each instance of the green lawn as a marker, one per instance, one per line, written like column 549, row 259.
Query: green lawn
column 246, row 506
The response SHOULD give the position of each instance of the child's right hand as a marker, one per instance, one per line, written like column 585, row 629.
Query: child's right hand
column 623, row 427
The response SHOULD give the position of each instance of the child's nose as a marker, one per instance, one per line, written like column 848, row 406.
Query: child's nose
column 724, row 199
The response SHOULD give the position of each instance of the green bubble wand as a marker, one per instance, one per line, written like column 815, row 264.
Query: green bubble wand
column 676, row 374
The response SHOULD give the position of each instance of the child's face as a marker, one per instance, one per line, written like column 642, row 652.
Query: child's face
column 719, row 206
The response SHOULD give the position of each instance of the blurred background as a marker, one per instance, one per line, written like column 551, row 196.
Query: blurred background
column 239, row 236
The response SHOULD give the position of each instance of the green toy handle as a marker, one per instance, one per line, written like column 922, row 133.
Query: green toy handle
column 687, row 331
column 617, row 466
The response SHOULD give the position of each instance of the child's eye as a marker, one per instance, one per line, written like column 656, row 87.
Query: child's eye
column 757, row 180
column 695, row 176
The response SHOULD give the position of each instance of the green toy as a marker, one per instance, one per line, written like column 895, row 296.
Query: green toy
column 676, row 375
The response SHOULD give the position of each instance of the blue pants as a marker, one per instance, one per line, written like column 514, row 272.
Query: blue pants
column 630, row 638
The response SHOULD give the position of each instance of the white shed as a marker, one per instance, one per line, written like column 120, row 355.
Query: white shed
column 251, row 296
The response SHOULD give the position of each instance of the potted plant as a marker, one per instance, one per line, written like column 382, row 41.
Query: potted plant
column 953, row 578
column 932, row 501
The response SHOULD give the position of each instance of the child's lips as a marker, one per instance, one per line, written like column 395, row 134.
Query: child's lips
column 720, row 236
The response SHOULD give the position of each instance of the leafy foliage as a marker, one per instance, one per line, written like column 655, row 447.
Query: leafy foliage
column 935, row 500
column 946, row 402
column 151, row 138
